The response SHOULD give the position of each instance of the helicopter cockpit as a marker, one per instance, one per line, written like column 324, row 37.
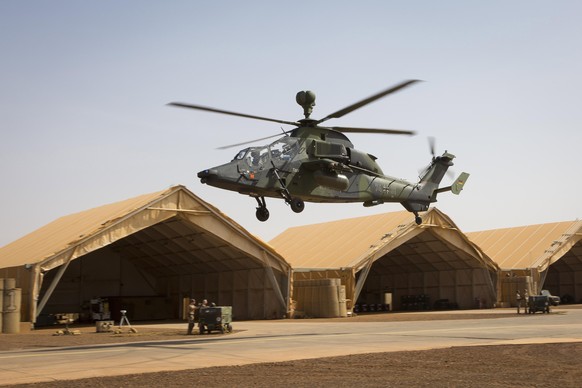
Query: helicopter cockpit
column 278, row 152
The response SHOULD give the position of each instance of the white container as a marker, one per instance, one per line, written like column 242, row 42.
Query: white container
column 11, row 311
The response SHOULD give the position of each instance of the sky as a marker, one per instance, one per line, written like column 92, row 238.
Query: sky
column 84, row 120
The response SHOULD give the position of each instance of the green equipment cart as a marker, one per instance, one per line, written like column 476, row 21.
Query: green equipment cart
column 537, row 303
column 216, row 318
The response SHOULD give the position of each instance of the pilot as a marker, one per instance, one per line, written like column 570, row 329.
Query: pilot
column 255, row 157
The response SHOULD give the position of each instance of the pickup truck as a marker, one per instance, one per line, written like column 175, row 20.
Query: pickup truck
column 554, row 300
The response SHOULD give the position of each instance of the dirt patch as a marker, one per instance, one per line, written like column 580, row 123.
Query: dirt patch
column 546, row 365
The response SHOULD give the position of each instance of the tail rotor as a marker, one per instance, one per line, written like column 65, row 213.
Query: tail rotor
column 432, row 146
column 434, row 159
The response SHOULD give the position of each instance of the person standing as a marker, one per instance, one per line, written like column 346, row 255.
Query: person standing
column 518, row 299
column 200, row 323
column 526, row 298
column 191, row 315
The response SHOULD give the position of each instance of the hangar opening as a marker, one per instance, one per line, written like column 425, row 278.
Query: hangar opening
column 428, row 272
column 146, row 255
column 390, row 258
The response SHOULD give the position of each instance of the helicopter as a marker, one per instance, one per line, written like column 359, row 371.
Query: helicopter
column 316, row 163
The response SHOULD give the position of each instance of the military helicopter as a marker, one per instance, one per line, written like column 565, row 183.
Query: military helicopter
column 315, row 163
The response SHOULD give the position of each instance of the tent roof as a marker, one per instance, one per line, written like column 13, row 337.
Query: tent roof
column 169, row 213
column 353, row 242
column 335, row 244
column 531, row 246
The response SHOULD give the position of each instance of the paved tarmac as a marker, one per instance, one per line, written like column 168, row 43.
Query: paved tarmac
column 271, row 341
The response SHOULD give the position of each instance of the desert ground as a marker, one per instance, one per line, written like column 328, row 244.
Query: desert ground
column 536, row 365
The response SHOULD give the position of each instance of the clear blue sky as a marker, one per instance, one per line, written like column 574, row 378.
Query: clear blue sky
column 84, row 121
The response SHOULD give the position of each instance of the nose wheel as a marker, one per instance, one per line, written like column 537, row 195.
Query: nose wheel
column 262, row 212
column 417, row 218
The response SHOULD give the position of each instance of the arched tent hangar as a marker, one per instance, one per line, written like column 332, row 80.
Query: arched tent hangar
column 389, row 257
column 535, row 257
column 146, row 255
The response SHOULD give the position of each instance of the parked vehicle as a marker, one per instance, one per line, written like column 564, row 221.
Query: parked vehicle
column 554, row 300
column 537, row 303
column 215, row 318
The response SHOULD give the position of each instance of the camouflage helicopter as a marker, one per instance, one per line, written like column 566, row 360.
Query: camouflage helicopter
column 315, row 163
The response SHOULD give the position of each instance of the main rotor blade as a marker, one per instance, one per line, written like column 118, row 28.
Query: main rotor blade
column 372, row 130
column 226, row 112
column 368, row 100
column 252, row 141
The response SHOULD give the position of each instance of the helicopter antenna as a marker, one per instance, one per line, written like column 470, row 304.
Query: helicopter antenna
column 306, row 99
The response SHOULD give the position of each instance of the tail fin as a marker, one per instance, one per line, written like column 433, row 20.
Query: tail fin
column 457, row 185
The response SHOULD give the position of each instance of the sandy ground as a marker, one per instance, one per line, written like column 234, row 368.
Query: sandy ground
column 504, row 366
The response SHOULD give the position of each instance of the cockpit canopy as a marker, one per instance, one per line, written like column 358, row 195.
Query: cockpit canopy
column 280, row 151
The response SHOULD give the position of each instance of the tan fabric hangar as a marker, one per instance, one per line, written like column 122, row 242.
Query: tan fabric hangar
column 535, row 257
column 146, row 255
column 390, row 254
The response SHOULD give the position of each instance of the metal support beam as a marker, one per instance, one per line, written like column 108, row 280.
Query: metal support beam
column 36, row 277
column 362, row 279
column 53, row 284
column 274, row 283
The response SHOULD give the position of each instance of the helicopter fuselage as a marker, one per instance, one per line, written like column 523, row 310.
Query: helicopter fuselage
column 315, row 165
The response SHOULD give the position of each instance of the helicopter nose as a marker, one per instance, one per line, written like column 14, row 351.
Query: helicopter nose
column 205, row 174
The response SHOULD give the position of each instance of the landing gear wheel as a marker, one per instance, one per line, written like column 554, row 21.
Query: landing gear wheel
column 297, row 205
column 418, row 220
column 262, row 214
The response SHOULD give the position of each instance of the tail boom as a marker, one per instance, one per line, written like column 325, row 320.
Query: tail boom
column 427, row 188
